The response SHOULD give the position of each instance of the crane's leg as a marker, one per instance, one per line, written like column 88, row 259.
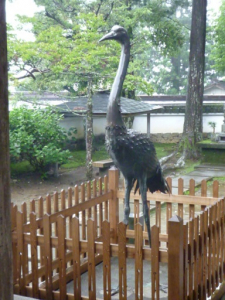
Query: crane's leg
column 143, row 191
column 128, row 183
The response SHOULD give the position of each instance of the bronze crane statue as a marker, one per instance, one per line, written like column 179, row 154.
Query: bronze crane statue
column 133, row 153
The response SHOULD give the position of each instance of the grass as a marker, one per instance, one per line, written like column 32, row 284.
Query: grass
column 208, row 141
column 189, row 166
column 164, row 149
column 78, row 159
column 209, row 183
column 219, row 179
column 21, row 167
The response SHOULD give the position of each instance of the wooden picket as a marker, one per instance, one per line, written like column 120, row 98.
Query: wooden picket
column 155, row 263
column 57, row 239
column 106, row 260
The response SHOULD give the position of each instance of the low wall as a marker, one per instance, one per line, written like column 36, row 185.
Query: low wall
column 165, row 137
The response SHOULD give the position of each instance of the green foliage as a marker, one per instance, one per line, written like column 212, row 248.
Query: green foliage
column 37, row 137
column 21, row 167
column 218, row 53
column 66, row 49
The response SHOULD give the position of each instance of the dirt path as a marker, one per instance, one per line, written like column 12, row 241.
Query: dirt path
column 31, row 186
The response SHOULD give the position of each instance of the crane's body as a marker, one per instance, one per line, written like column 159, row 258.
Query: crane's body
column 133, row 153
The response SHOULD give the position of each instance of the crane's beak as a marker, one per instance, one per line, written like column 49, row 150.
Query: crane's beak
column 109, row 36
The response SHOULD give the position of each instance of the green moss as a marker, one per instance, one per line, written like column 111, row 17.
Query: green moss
column 213, row 156
column 208, row 141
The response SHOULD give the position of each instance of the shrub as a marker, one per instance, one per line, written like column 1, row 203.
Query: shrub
column 36, row 136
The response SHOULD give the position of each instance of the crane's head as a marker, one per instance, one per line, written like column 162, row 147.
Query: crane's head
column 117, row 33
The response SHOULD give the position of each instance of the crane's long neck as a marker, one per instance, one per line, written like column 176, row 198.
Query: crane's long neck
column 114, row 114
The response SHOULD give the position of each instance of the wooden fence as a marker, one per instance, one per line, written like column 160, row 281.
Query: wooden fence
column 57, row 239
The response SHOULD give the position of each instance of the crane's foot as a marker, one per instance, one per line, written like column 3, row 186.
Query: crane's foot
column 125, row 222
column 126, row 215
column 163, row 288
column 115, row 291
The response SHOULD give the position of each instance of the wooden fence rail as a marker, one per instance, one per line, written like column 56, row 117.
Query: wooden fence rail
column 59, row 238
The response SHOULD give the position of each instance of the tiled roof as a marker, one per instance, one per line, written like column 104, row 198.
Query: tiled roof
column 62, row 101
column 100, row 103
column 220, row 84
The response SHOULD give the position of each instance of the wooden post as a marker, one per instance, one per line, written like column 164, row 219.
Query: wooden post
column 48, row 256
column 155, row 262
column 175, row 258
column 122, row 261
column 138, row 261
column 113, row 203
column 91, row 260
column 34, row 254
column 76, row 258
column 106, row 260
column 6, row 274
column 20, row 253
column 62, row 256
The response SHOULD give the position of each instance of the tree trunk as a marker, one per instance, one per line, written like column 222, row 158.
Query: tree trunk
column 89, row 134
column 192, row 132
column 6, row 284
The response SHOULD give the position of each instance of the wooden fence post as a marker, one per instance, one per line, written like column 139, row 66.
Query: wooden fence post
column 76, row 258
column 34, row 254
column 106, row 260
column 155, row 262
column 62, row 256
column 175, row 258
column 138, row 261
column 20, row 253
column 113, row 203
column 122, row 261
column 48, row 256
column 91, row 260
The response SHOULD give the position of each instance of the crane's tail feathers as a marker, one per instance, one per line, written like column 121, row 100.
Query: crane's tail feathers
column 156, row 183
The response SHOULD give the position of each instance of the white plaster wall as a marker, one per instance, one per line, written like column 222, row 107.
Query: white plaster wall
column 217, row 118
column 99, row 124
column 76, row 122
column 159, row 123
column 173, row 123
